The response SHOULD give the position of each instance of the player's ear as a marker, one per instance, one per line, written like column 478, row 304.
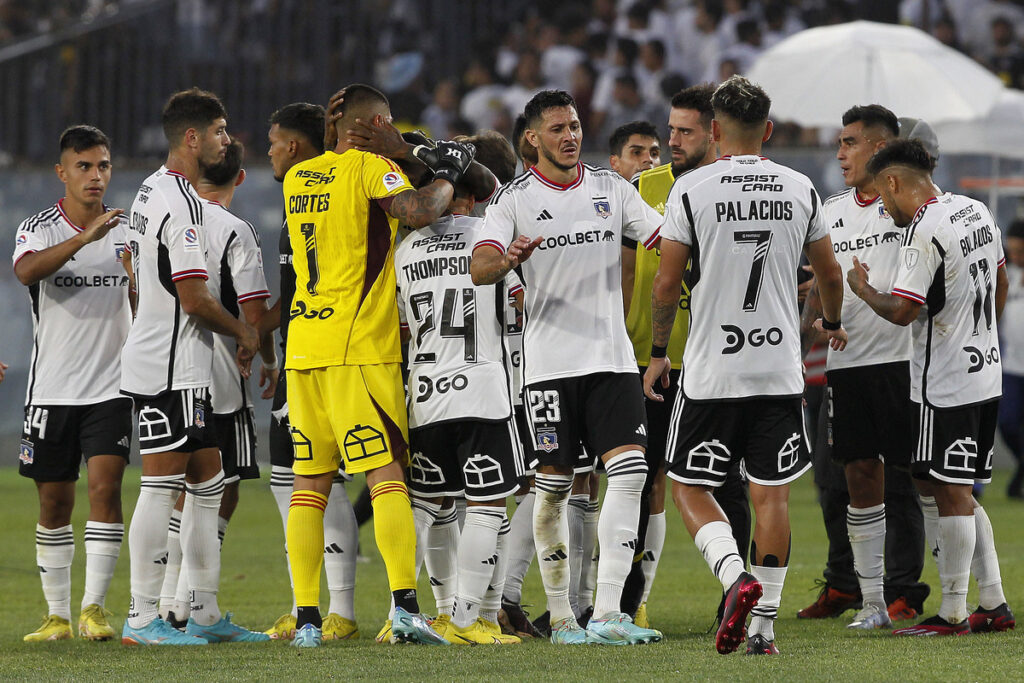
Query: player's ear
column 241, row 177
column 716, row 130
column 768, row 128
column 531, row 137
column 59, row 170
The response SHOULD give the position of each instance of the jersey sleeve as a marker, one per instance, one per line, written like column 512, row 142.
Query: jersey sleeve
column 30, row 237
column 499, row 226
column 512, row 283
column 383, row 178
column 641, row 222
column 186, row 244
column 676, row 224
column 919, row 260
column 246, row 263
column 817, row 227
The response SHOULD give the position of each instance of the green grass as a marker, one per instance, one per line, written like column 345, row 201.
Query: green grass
column 254, row 586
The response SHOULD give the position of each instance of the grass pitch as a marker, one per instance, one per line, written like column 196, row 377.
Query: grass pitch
column 254, row 586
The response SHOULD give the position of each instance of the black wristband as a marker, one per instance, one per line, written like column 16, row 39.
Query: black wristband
column 658, row 351
column 827, row 325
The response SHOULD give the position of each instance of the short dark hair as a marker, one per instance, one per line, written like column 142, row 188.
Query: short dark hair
column 741, row 101
column 544, row 100
column 226, row 170
column 192, row 108
column 494, row 151
column 359, row 95
column 303, row 118
column 518, row 131
column 697, row 97
column 620, row 136
column 83, row 137
column 901, row 152
column 873, row 115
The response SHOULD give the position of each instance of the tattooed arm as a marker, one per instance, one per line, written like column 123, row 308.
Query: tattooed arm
column 664, row 304
column 419, row 208
column 809, row 336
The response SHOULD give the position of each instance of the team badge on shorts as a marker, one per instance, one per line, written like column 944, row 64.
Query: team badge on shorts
column 363, row 441
column 199, row 415
column 602, row 207
column 547, row 439
column 26, row 454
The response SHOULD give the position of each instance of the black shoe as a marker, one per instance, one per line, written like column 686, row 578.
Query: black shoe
column 515, row 621
column 175, row 622
column 585, row 618
column 759, row 645
column 542, row 625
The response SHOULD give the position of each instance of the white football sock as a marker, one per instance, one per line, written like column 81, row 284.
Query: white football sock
column 200, row 547
column 147, row 544
column 172, row 570
column 930, row 515
column 985, row 563
column 282, row 480
column 442, row 559
column 588, row 577
column 222, row 529
column 423, row 513
column 460, row 511
column 55, row 549
column 477, row 559
column 576, row 513
column 956, row 549
column 715, row 542
column 551, row 535
column 492, row 598
column 521, row 548
column 763, row 615
column 616, row 529
column 102, row 546
column 866, row 527
column 341, row 540
column 654, row 544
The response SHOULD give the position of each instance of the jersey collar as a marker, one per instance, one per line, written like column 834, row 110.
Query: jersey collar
column 864, row 202
column 921, row 208
column 559, row 186
column 730, row 156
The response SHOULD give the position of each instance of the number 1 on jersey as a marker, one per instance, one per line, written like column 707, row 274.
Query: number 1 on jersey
column 762, row 241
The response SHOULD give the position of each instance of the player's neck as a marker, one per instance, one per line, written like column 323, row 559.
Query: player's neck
column 78, row 213
column 556, row 174
column 866, row 192
column 221, row 195
column 922, row 193
column 185, row 164
column 738, row 148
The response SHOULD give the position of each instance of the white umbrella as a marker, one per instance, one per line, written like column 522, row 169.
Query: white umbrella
column 999, row 133
column 817, row 74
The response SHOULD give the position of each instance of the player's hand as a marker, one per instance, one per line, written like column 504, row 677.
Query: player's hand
column 448, row 160
column 269, row 377
column 98, row 227
column 521, row 249
column 804, row 287
column 378, row 137
column 657, row 368
column 331, row 117
column 857, row 277
column 3, row 368
column 248, row 344
column 836, row 338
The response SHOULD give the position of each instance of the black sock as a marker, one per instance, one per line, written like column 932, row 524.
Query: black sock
column 308, row 615
column 406, row 599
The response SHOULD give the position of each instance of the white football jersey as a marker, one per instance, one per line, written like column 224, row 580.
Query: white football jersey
column 80, row 314
column 514, row 339
column 864, row 229
column 235, row 268
column 948, row 262
column 1011, row 324
column 573, row 323
column 456, row 354
column 746, row 220
column 165, row 349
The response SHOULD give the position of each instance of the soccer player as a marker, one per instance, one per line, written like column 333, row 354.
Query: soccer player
column 634, row 147
column 69, row 257
column 297, row 134
column 166, row 367
column 869, row 406
column 579, row 373
column 951, row 265
column 461, row 433
column 345, row 393
column 740, row 395
column 691, row 146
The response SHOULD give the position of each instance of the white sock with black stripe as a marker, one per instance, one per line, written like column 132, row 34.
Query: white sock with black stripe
column 200, row 547
column 588, row 575
column 102, row 547
column 617, row 527
column 763, row 615
column 147, row 544
column 492, row 598
column 282, row 480
column 866, row 527
column 423, row 513
column 985, row 563
column 654, row 544
column 577, row 514
column 477, row 559
column 957, row 536
column 55, row 549
column 172, row 570
column 442, row 559
column 715, row 542
column 930, row 515
column 341, row 539
column 521, row 548
column 551, row 536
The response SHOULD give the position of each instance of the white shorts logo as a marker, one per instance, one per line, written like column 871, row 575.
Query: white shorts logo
column 961, row 455
column 423, row 471
column 153, row 424
column 482, row 471
column 712, row 457
column 789, row 454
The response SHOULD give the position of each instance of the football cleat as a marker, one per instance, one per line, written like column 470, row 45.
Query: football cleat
column 543, row 624
column 989, row 620
column 619, row 629
column 641, row 618
column 440, row 623
column 175, row 622
column 283, row 628
column 224, row 631
column 93, row 624
column 568, row 632
column 935, row 626
column 157, row 632
column 308, row 636
column 515, row 621
column 759, row 645
column 871, row 617
column 900, row 610
column 477, row 633
column 52, row 628
column 830, row 604
column 384, row 634
column 337, row 627
column 585, row 617
column 492, row 627
column 413, row 628
column 741, row 597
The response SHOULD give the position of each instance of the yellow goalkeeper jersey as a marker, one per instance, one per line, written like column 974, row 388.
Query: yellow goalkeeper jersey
column 344, row 310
